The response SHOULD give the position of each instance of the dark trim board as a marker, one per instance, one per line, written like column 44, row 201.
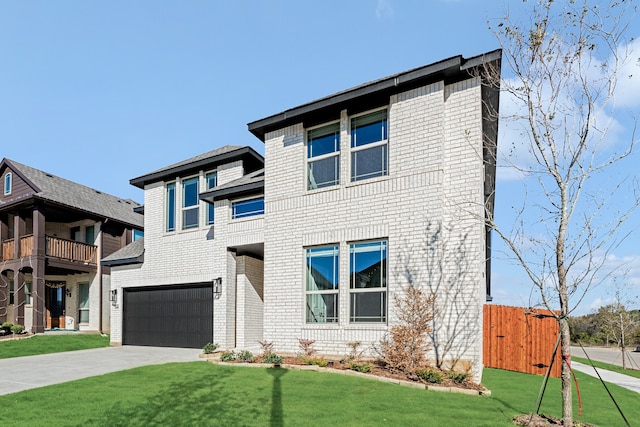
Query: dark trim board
column 168, row 316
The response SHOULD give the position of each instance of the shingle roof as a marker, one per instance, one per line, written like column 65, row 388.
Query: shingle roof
column 77, row 196
column 133, row 253
column 251, row 161
column 249, row 184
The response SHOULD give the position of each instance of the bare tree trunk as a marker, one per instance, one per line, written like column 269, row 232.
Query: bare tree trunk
column 567, row 408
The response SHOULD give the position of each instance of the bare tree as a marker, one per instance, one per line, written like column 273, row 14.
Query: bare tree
column 565, row 62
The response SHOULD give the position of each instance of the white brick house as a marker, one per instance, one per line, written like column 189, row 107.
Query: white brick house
column 364, row 192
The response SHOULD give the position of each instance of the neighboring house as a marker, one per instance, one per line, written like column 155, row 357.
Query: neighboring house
column 340, row 221
column 54, row 233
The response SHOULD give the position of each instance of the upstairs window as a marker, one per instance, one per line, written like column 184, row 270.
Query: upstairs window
column 322, row 284
column 190, row 203
column 211, row 181
column 246, row 208
column 369, row 137
column 171, row 207
column 7, row 184
column 323, row 156
column 137, row 234
column 368, row 287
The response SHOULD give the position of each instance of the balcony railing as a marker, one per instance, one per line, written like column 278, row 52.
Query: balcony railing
column 55, row 247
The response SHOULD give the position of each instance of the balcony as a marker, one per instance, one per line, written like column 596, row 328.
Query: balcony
column 63, row 249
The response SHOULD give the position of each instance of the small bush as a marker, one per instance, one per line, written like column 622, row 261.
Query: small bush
column 267, row 347
column 17, row 329
column 209, row 348
column 318, row 361
column 458, row 377
column 430, row 375
column 6, row 327
column 272, row 358
column 228, row 356
column 355, row 353
column 360, row 367
column 245, row 356
column 307, row 347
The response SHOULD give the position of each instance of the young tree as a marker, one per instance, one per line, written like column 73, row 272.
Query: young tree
column 565, row 62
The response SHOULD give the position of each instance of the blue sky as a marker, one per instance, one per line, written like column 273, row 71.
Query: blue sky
column 104, row 91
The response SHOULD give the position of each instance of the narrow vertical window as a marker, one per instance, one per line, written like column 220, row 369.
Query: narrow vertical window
column 322, row 284
column 190, row 202
column 83, row 302
column 27, row 293
column 171, row 207
column 7, row 183
column 137, row 234
column 369, row 153
column 212, row 181
column 368, row 287
column 323, row 156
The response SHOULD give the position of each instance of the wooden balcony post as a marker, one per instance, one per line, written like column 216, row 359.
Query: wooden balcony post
column 4, row 235
column 20, row 228
column 37, row 292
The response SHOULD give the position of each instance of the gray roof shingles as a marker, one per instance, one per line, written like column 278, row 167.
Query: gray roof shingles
column 130, row 254
column 74, row 195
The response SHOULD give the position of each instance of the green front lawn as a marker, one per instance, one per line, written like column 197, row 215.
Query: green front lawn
column 43, row 344
column 201, row 393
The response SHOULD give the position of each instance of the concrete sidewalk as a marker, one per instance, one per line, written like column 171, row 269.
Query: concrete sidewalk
column 626, row 381
column 23, row 373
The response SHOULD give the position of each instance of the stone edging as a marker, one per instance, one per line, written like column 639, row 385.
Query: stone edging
column 404, row 383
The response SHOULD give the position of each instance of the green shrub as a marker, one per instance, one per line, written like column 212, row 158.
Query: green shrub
column 6, row 326
column 318, row 361
column 228, row 356
column 273, row 359
column 458, row 377
column 360, row 367
column 245, row 356
column 430, row 375
column 17, row 329
column 209, row 348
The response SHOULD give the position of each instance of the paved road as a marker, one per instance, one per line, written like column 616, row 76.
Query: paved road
column 23, row 373
column 609, row 355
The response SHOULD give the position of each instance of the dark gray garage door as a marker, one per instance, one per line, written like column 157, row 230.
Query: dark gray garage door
column 168, row 316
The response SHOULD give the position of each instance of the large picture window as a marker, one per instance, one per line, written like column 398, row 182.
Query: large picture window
column 368, row 277
column 323, row 156
column 211, row 180
column 245, row 208
column 171, row 207
column 321, row 287
column 369, row 136
column 190, row 202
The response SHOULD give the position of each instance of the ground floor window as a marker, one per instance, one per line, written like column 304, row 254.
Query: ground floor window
column 27, row 292
column 83, row 302
column 322, row 278
column 368, row 282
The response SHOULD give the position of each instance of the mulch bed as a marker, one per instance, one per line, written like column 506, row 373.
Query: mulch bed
column 535, row 420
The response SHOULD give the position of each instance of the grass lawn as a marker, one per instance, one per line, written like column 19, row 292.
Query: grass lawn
column 200, row 393
column 43, row 344
column 608, row 367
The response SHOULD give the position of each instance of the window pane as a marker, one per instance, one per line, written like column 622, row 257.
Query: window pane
column 190, row 218
column 190, row 192
column 11, row 291
column 83, row 295
column 247, row 208
column 171, row 207
column 324, row 173
column 137, row 234
column 322, row 268
column 368, row 307
column 7, row 184
column 322, row 308
column 212, row 180
column 368, row 266
column 369, row 163
column 369, row 128
column 323, row 140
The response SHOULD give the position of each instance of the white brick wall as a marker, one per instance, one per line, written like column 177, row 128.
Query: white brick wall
column 435, row 176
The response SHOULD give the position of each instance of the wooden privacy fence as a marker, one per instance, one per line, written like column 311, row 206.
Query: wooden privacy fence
column 520, row 339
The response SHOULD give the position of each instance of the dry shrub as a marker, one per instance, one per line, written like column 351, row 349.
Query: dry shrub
column 405, row 347
column 306, row 346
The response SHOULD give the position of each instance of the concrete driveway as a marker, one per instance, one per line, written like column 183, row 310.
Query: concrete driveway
column 23, row 373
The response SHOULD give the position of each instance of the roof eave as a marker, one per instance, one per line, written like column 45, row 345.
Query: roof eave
column 243, row 152
column 233, row 192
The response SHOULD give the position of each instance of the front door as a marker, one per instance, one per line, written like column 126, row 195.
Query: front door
column 54, row 304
